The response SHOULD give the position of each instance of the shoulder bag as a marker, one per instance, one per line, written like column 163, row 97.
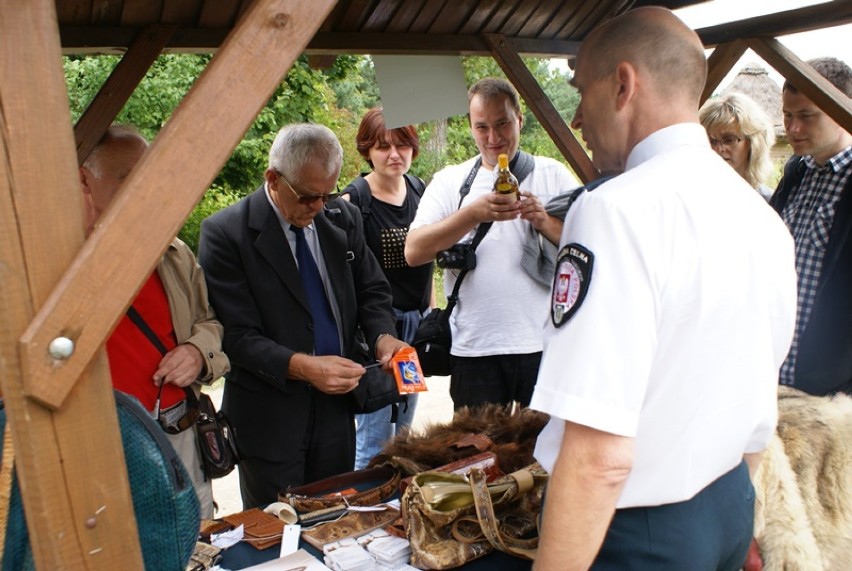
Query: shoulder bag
column 214, row 435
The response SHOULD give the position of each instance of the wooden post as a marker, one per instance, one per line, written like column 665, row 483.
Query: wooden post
column 70, row 462
column 542, row 107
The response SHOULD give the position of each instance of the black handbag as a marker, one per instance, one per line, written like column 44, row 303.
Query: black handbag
column 216, row 442
column 433, row 341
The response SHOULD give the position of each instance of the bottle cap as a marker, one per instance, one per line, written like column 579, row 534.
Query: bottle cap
column 503, row 161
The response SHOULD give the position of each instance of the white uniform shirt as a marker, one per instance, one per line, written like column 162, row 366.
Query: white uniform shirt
column 688, row 316
column 501, row 309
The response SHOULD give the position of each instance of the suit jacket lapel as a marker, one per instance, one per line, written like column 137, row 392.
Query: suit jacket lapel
column 272, row 244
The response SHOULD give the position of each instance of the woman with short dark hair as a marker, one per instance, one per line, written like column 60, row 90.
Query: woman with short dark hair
column 388, row 198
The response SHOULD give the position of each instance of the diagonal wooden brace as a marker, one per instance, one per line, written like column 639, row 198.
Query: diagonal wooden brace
column 162, row 190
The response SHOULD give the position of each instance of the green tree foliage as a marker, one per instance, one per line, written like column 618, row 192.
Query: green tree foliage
column 336, row 97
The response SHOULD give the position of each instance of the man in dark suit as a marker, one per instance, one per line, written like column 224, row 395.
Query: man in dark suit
column 292, row 280
column 815, row 200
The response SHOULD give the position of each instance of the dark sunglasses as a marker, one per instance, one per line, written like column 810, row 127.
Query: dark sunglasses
column 306, row 198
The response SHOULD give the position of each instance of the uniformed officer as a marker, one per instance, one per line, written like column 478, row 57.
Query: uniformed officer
column 672, row 309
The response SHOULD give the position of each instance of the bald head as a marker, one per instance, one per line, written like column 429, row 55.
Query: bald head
column 106, row 167
column 655, row 42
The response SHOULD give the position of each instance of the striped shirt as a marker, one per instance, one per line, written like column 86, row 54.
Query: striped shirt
column 809, row 214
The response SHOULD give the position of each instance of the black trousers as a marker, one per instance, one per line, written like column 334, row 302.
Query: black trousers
column 493, row 379
column 710, row 532
column 327, row 448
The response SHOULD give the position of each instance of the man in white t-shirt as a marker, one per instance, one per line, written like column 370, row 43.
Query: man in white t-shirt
column 674, row 309
column 496, row 325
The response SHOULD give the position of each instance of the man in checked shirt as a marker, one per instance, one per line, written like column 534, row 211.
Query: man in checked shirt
column 815, row 200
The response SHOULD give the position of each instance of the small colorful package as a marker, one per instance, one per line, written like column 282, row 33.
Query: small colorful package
column 407, row 371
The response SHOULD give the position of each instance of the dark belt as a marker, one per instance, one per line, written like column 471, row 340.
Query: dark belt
column 316, row 496
column 178, row 418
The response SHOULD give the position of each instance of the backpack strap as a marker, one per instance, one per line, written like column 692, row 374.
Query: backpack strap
column 522, row 165
column 416, row 184
column 362, row 197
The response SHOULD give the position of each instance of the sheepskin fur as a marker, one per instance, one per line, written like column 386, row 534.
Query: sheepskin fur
column 803, row 512
column 512, row 438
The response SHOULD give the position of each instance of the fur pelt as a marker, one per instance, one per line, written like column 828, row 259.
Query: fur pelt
column 512, row 438
column 803, row 512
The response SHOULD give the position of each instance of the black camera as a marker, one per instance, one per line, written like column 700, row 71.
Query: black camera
column 459, row 257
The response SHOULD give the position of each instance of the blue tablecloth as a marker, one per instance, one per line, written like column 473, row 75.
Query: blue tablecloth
column 244, row 555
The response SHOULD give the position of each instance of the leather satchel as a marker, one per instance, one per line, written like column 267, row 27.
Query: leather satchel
column 451, row 519
column 340, row 490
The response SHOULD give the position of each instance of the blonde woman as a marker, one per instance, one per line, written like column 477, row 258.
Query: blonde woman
column 742, row 134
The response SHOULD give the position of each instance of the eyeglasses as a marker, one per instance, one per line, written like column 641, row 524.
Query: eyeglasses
column 726, row 141
column 307, row 198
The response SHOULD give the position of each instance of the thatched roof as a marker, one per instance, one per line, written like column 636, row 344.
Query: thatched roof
column 754, row 81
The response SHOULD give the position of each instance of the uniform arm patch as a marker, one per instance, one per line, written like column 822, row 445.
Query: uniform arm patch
column 570, row 282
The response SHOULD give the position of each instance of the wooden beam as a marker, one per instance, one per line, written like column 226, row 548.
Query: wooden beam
column 164, row 187
column 814, row 86
column 321, row 61
column 542, row 107
column 805, row 19
column 118, row 87
column 90, row 40
column 720, row 63
column 70, row 462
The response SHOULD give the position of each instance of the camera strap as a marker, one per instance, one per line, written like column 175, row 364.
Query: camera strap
column 481, row 231
column 524, row 164
column 468, row 182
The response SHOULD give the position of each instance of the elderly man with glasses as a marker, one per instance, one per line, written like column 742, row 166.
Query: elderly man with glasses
column 292, row 281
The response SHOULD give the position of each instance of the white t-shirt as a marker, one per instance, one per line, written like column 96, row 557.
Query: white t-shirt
column 688, row 315
column 501, row 309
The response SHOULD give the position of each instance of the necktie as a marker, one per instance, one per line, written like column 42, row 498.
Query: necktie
column 326, row 336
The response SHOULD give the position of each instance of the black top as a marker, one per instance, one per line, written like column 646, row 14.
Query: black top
column 385, row 229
